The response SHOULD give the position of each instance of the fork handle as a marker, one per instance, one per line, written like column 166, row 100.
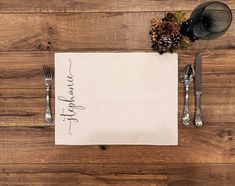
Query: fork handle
column 48, row 116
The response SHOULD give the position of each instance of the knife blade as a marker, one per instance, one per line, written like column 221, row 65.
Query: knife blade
column 198, row 90
column 198, row 74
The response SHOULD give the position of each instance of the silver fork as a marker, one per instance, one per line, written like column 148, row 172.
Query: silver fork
column 48, row 77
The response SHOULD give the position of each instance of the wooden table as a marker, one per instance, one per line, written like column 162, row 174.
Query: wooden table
column 32, row 30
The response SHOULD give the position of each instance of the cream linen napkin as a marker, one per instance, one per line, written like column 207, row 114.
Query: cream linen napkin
column 116, row 98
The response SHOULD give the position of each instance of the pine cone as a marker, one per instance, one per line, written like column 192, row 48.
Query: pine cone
column 167, row 28
column 164, row 44
column 170, row 33
column 169, row 16
column 165, row 41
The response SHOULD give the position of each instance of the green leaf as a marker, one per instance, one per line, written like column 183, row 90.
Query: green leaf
column 178, row 17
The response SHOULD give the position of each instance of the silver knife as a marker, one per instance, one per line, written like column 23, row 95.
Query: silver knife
column 198, row 90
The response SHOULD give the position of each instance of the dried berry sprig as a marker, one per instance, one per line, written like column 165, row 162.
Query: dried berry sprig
column 166, row 33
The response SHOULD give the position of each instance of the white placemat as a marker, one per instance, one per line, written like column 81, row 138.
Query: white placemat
column 116, row 98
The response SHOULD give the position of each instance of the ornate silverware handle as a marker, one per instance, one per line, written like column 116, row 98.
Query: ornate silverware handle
column 48, row 116
column 186, row 118
column 198, row 117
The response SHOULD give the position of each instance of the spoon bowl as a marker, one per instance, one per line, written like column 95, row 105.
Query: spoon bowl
column 187, row 76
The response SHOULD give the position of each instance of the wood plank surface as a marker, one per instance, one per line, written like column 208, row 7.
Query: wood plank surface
column 31, row 6
column 32, row 30
column 202, row 174
column 36, row 145
column 118, row 174
column 87, row 31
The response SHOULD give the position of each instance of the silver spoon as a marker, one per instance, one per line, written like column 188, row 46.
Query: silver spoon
column 186, row 77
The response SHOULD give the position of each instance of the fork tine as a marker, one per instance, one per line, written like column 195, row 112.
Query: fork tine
column 48, row 72
column 44, row 71
column 52, row 72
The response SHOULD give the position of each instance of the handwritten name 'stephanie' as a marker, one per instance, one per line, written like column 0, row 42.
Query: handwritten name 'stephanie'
column 69, row 112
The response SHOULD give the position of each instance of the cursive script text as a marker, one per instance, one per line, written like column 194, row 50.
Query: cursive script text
column 69, row 113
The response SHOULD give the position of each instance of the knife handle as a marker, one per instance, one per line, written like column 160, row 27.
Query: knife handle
column 198, row 116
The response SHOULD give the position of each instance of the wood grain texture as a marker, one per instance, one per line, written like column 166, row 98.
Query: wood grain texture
column 36, row 145
column 31, row 6
column 87, row 31
column 32, row 30
column 203, row 175
column 84, row 180
column 118, row 174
